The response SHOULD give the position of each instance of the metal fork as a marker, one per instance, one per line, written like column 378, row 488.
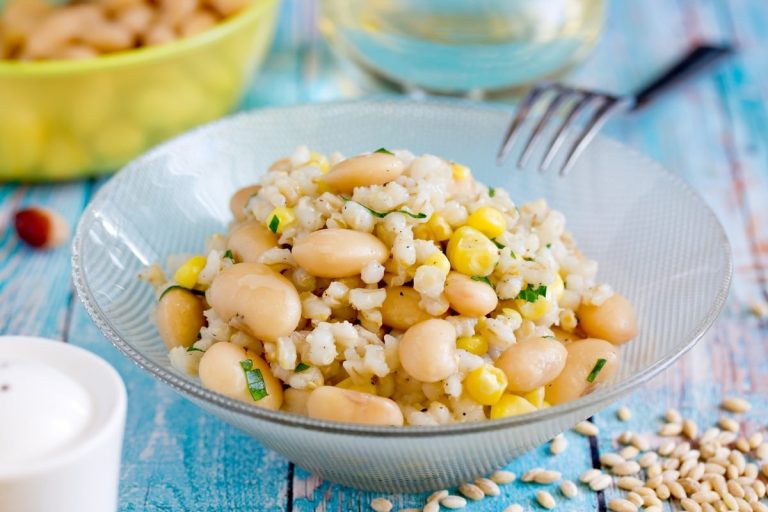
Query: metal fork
column 601, row 104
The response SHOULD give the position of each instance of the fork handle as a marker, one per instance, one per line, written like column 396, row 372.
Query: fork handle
column 696, row 60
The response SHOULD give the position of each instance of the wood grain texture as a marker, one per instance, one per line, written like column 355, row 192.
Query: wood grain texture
column 713, row 133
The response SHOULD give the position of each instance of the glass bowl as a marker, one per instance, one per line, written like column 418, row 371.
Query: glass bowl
column 655, row 240
column 69, row 119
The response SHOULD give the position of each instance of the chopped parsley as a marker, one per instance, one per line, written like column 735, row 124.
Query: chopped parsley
column 596, row 370
column 194, row 349
column 229, row 255
column 254, row 379
column 528, row 258
column 497, row 244
column 531, row 293
column 549, row 245
column 301, row 367
column 385, row 151
column 179, row 287
column 548, row 337
column 482, row 279
column 491, row 192
column 381, row 215
column 274, row 223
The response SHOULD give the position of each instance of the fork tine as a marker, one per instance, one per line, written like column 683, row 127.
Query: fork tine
column 561, row 131
column 553, row 105
column 600, row 116
column 522, row 113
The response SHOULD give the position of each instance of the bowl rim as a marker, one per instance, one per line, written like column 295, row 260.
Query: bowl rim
column 142, row 55
column 193, row 389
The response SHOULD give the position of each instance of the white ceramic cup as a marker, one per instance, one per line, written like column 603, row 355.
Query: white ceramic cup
column 63, row 413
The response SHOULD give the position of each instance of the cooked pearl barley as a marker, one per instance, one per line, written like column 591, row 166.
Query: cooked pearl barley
column 611, row 459
column 545, row 499
column 673, row 416
column 735, row 404
column 626, row 468
column 568, row 489
column 438, row 495
column 381, row 505
column 600, row 483
column 453, row 502
column 503, row 477
column 488, row 487
column 670, row 429
column 514, row 508
column 591, row 474
column 547, row 477
column 621, row 505
column 558, row 445
column 471, row 491
column 629, row 452
column 586, row 428
column 624, row 414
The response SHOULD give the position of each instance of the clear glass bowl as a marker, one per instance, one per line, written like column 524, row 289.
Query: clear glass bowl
column 655, row 239
column 457, row 46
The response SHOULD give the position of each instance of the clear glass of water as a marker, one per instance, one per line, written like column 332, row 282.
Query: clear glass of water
column 460, row 46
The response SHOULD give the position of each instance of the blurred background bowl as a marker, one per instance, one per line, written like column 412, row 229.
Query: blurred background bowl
column 70, row 119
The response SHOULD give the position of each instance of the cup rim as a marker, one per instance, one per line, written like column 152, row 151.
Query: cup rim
column 195, row 391
column 98, row 431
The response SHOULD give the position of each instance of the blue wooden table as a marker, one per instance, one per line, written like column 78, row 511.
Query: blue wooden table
column 713, row 133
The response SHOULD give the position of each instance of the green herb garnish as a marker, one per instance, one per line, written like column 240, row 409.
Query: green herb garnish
column 595, row 370
column 228, row 254
column 512, row 253
column 497, row 244
column 491, row 192
column 301, row 367
column 179, row 287
column 549, row 245
column 548, row 337
column 256, row 385
column 194, row 349
column 482, row 279
column 385, row 151
column 528, row 258
column 274, row 223
column 381, row 215
column 531, row 293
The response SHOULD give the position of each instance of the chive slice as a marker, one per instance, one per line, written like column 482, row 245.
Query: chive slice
column 385, row 151
column 274, row 223
column 549, row 245
column 491, row 192
column 381, row 215
column 179, row 287
column 301, row 367
column 482, row 279
column 498, row 244
column 531, row 293
column 228, row 254
column 254, row 379
column 596, row 370
column 194, row 349
column 548, row 337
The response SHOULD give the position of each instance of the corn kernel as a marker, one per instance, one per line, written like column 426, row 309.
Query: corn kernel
column 422, row 232
column 439, row 227
column 532, row 311
column 556, row 289
column 511, row 405
column 280, row 218
column 365, row 387
column 186, row 275
column 471, row 252
column 439, row 260
column 489, row 221
column 486, row 384
column 545, row 405
column 476, row 344
column 318, row 160
column 536, row 397
column 460, row 172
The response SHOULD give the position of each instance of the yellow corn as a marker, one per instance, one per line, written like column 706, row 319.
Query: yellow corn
column 489, row 221
column 422, row 232
column 532, row 310
column 186, row 275
column 280, row 218
column 536, row 397
column 557, row 288
column 439, row 260
column 439, row 227
column 318, row 160
column 545, row 405
column 471, row 252
column 486, row 384
column 460, row 172
column 511, row 405
column 365, row 387
column 476, row 344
